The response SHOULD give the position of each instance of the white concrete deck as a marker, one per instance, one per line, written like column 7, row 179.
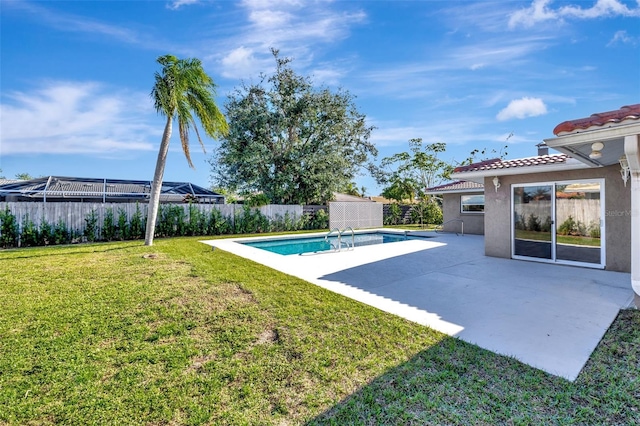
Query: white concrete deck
column 548, row 316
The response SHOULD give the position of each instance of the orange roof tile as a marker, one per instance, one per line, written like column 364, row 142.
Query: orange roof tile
column 630, row 112
column 498, row 164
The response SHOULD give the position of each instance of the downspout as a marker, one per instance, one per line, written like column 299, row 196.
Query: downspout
column 632, row 152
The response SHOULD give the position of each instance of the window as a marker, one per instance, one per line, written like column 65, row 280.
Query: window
column 472, row 203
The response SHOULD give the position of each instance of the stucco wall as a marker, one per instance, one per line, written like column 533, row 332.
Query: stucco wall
column 617, row 217
column 473, row 222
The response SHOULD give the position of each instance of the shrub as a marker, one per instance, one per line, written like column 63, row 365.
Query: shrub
column 91, row 226
column 123, row 225
column 45, row 236
column 533, row 223
column 568, row 227
column 394, row 215
column 171, row 221
column 61, row 234
column 251, row 221
column 108, row 225
column 426, row 212
column 136, row 227
column 9, row 231
column 320, row 220
column 30, row 234
column 218, row 224
column 197, row 224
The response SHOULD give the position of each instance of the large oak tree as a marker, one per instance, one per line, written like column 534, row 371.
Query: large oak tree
column 289, row 141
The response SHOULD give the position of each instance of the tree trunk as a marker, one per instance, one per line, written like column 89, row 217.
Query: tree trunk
column 156, row 186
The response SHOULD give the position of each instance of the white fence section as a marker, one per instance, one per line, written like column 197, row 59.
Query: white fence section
column 74, row 214
column 355, row 215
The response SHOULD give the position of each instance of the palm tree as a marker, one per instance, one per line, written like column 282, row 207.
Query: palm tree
column 181, row 90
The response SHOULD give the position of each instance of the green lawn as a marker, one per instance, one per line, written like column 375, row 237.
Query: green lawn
column 119, row 333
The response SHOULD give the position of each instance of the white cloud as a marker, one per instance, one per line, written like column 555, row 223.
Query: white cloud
column 177, row 4
column 522, row 108
column 72, row 117
column 602, row 9
column 240, row 61
column 75, row 23
column 69, row 22
column 622, row 37
column 541, row 11
column 296, row 28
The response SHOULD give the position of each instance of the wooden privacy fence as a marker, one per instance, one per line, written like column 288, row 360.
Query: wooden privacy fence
column 73, row 214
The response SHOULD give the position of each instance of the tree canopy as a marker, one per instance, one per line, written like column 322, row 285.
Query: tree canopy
column 406, row 175
column 23, row 176
column 289, row 141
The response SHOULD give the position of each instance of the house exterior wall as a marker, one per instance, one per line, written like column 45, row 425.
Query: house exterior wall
column 451, row 209
column 497, row 226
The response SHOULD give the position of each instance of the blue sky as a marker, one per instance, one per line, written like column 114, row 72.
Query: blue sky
column 76, row 75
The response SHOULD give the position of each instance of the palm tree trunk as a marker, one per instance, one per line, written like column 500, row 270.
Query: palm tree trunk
column 156, row 186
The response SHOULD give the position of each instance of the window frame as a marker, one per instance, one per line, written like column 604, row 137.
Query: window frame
column 462, row 204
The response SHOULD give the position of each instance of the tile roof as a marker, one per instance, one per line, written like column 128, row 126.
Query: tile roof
column 459, row 185
column 498, row 164
column 630, row 112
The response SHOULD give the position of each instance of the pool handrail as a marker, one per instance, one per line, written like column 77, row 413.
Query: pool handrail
column 441, row 226
column 326, row 238
column 340, row 232
column 353, row 237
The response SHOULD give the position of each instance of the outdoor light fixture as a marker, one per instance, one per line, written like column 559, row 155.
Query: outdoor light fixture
column 496, row 183
column 624, row 171
column 596, row 150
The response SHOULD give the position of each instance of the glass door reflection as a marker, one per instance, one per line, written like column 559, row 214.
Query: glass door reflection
column 578, row 222
column 532, row 221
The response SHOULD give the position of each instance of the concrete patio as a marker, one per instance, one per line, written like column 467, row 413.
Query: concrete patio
column 548, row 316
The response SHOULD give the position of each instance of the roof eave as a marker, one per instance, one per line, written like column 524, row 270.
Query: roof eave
column 594, row 135
column 455, row 191
column 479, row 175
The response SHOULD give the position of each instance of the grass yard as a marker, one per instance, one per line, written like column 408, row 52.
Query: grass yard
column 120, row 333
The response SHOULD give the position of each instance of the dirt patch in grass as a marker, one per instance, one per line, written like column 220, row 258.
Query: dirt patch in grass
column 268, row 336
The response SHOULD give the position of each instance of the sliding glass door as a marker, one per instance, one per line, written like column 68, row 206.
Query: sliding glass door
column 578, row 219
column 559, row 222
column 532, row 213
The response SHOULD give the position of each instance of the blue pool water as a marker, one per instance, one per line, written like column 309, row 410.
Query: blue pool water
column 292, row 245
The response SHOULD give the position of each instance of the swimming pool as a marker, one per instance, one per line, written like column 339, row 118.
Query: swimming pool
column 302, row 245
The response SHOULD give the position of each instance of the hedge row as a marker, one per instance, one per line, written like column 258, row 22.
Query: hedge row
column 173, row 221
